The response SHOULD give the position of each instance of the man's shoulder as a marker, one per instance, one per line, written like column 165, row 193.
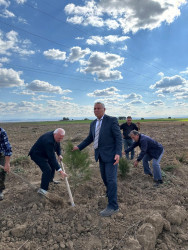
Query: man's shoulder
column 46, row 136
column 108, row 117
column 144, row 137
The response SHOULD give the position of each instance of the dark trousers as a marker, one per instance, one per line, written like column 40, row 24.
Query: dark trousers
column 127, row 144
column 2, row 173
column 109, row 177
column 48, row 171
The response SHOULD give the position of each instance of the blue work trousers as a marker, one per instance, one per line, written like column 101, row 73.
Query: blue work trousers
column 156, row 166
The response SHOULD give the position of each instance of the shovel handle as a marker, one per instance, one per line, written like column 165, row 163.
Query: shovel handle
column 68, row 187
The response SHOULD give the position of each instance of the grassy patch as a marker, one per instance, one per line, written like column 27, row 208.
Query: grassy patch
column 170, row 168
column 20, row 164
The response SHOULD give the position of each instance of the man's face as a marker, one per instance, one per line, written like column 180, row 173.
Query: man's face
column 135, row 137
column 129, row 120
column 99, row 110
column 58, row 137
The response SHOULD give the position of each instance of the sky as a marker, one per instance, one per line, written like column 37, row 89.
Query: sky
column 57, row 58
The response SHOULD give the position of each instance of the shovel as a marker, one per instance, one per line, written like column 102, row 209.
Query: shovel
column 68, row 187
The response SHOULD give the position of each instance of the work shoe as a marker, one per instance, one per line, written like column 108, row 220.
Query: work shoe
column 56, row 182
column 108, row 212
column 157, row 183
column 42, row 192
column 1, row 196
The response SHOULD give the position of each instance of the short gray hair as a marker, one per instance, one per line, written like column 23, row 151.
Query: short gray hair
column 60, row 131
column 134, row 132
column 100, row 104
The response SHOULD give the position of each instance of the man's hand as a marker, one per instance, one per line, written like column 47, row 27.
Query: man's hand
column 7, row 164
column 75, row 148
column 136, row 163
column 60, row 158
column 116, row 158
column 7, row 167
column 63, row 174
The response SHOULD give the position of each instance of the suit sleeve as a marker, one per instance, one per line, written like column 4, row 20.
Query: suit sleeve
column 117, row 136
column 58, row 148
column 87, row 141
column 51, row 156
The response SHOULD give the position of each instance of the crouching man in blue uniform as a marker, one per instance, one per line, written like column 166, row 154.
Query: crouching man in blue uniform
column 150, row 150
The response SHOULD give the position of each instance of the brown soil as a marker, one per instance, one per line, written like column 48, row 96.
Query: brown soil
column 149, row 218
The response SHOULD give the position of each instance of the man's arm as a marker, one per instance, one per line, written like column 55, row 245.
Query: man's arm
column 143, row 147
column 87, row 141
column 134, row 145
column 51, row 155
column 117, row 136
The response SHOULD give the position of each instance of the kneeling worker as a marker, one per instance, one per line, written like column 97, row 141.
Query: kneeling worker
column 43, row 154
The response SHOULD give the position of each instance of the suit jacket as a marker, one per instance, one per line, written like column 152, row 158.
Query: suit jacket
column 45, row 147
column 110, row 139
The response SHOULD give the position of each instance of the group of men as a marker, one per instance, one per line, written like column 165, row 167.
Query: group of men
column 107, row 142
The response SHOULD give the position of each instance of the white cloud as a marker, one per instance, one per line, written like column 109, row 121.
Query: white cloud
column 4, row 3
column 135, row 102
column 22, row 20
column 23, row 106
column 6, row 14
column 182, row 95
column 4, row 59
column 66, row 98
column 42, row 86
column 124, row 48
column 93, row 40
column 77, row 53
column 111, row 91
column 41, row 97
column 55, row 54
column 184, row 72
column 181, row 104
column 21, row 1
column 112, row 24
column 156, row 103
column 131, row 16
column 10, row 78
column 161, row 95
column 10, row 42
column 132, row 96
column 172, row 81
column 103, row 64
column 79, row 38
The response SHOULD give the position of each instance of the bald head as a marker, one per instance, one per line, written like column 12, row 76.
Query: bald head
column 59, row 134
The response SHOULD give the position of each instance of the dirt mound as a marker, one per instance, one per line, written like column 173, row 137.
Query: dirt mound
column 149, row 218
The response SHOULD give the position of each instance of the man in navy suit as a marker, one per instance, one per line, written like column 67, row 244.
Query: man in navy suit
column 106, row 135
column 43, row 153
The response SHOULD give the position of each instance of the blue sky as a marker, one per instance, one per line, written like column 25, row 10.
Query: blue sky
column 59, row 57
